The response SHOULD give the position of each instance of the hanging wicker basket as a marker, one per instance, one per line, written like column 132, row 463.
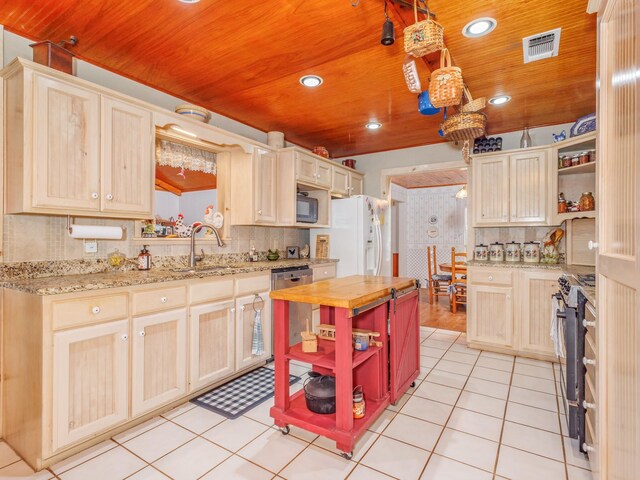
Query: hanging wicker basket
column 411, row 75
column 464, row 126
column 424, row 36
column 473, row 105
column 446, row 85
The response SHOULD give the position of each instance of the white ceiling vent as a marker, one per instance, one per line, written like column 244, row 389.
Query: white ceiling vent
column 541, row 45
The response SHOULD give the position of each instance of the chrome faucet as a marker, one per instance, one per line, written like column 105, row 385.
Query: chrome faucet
column 193, row 258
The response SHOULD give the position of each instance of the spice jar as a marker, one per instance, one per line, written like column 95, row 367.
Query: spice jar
column 359, row 406
column 575, row 160
column 587, row 202
column 584, row 158
column 592, row 155
column 566, row 161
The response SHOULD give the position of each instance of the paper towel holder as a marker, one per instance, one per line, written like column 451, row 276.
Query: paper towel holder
column 70, row 228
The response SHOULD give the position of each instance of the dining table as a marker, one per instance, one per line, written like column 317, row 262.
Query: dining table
column 446, row 267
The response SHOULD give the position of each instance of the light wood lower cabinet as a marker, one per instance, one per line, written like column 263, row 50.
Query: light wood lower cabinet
column 90, row 380
column 509, row 310
column 159, row 359
column 212, row 336
column 536, row 289
column 490, row 315
column 245, row 321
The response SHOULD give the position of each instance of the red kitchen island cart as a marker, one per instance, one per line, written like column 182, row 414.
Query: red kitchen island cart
column 385, row 371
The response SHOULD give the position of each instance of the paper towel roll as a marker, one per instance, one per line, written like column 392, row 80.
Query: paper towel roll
column 95, row 231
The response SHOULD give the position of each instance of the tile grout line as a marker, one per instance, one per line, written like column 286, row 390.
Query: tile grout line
column 504, row 420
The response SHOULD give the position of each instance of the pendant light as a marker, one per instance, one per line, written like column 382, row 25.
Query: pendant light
column 388, row 31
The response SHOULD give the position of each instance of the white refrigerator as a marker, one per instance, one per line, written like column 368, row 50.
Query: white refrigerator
column 360, row 236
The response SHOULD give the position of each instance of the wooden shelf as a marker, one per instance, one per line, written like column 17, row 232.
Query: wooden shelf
column 299, row 415
column 584, row 168
column 325, row 357
column 570, row 215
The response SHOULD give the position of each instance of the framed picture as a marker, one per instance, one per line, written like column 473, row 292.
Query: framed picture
column 322, row 246
column 293, row 252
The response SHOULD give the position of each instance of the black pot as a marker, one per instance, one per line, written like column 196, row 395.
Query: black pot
column 320, row 393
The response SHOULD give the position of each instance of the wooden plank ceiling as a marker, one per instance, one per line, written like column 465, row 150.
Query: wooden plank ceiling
column 244, row 59
column 437, row 178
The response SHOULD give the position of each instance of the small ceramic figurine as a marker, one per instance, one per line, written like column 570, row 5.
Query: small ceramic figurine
column 304, row 251
column 182, row 230
column 273, row 255
column 559, row 137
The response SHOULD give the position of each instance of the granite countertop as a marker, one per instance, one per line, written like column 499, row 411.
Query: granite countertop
column 546, row 266
column 55, row 285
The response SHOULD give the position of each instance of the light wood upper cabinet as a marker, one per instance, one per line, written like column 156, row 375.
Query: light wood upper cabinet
column 490, row 315
column 324, row 174
column 356, row 184
column 212, row 337
column 265, row 180
column 245, row 321
column 127, row 148
column 535, row 291
column 312, row 170
column 66, row 146
column 159, row 359
column 254, row 183
column 74, row 150
column 90, row 380
column 528, row 178
column 491, row 190
column 340, row 182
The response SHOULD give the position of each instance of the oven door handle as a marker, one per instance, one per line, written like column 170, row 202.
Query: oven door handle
column 560, row 313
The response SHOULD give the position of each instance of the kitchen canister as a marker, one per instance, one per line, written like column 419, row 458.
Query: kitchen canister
column 275, row 139
column 481, row 253
column 512, row 252
column 531, row 252
column 496, row 252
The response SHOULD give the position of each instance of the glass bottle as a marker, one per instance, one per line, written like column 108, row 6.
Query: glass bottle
column 525, row 140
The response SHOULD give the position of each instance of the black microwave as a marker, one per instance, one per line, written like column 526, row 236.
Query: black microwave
column 307, row 209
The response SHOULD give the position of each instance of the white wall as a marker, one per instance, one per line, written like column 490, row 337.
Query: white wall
column 371, row 164
column 448, row 212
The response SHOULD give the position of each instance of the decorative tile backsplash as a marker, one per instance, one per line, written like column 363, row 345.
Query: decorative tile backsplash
column 43, row 237
column 435, row 217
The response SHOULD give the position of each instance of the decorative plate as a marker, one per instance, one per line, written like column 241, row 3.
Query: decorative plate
column 583, row 125
column 433, row 219
column 432, row 232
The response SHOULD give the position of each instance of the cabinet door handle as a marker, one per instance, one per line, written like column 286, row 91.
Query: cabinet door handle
column 587, row 323
column 164, row 299
column 592, row 245
column 125, row 337
column 142, row 333
column 242, row 308
column 233, row 310
column 588, row 361
column 94, row 195
column 508, row 297
column 109, row 196
column 95, row 310
column 586, row 405
column 588, row 448
column 491, row 278
column 259, row 212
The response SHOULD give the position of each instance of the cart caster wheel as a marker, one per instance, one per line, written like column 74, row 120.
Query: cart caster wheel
column 413, row 384
column 348, row 456
column 285, row 430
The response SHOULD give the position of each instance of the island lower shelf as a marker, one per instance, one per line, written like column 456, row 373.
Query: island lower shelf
column 325, row 357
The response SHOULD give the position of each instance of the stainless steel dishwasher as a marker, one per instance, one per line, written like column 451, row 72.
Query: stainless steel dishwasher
column 298, row 312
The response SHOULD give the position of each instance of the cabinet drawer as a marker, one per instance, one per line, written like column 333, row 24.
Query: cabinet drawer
column 322, row 272
column 210, row 291
column 590, row 354
column 491, row 277
column 253, row 284
column 590, row 431
column 159, row 299
column 74, row 312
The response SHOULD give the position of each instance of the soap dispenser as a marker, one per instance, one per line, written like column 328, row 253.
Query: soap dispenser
column 144, row 259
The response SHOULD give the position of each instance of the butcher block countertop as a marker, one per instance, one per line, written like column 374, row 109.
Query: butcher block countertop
column 348, row 292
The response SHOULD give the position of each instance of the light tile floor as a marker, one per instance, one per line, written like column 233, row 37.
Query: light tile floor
column 472, row 416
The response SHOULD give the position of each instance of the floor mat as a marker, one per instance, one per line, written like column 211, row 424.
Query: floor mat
column 242, row 394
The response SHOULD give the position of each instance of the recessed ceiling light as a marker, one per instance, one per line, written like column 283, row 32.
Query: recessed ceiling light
column 373, row 125
column 499, row 100
column 479, row 27
column 311, row 81
column 188, row 1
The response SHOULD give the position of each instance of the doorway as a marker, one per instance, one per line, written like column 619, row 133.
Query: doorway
column 429, row 210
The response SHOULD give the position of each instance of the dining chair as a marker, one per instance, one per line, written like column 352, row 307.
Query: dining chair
column 438, row 283
column 458, row 288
